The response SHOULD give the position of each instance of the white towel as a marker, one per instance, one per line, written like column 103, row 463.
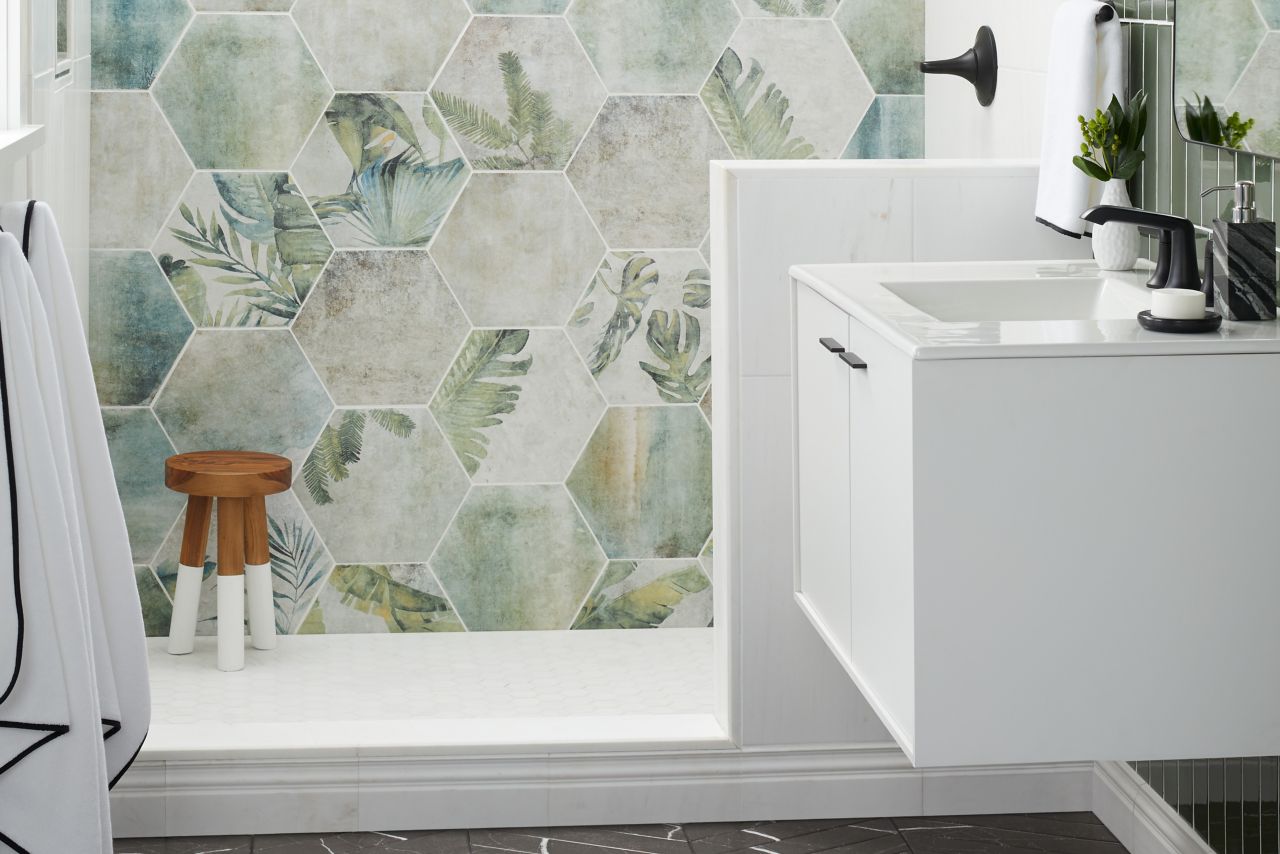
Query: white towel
column 1086, row 68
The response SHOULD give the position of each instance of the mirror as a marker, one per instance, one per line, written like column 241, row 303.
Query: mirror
column 1226, row 68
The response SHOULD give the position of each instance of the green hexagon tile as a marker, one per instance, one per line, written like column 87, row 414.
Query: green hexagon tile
column 451, row 257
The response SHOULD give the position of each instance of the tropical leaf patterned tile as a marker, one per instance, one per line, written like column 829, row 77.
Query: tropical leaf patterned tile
column 519, row 93
column 394, row 598
column 517, row 557
column 644, row 327
column 242, row 249
column 381, row 327
column 648, row 594
column 518, row 7
column 381, row 170
column 518, row 249
column 787, row 88
column 518, row 415
column 381, row 484
column 299, row 565
column 892, row 127
column 644, row 482
column 135, row 327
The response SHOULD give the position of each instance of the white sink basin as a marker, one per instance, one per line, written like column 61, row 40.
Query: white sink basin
column 1024, row 299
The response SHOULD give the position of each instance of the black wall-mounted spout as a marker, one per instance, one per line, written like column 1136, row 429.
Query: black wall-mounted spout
column 978, row 65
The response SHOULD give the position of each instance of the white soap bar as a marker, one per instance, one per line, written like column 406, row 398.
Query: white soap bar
column 1177, row 304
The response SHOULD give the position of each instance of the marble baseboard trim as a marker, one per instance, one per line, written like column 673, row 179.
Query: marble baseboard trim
column 1138, row 817
column 381, row 792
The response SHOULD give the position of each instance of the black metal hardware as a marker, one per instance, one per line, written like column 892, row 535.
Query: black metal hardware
column 978, row 65
column 852, row 360
column 832, row 345
column 1177, row 259
column 1106, row 13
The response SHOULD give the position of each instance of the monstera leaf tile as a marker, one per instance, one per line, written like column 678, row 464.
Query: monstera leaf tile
column 242, row 5
column 138, row 448
column 708, row 557
column 786, row 89
column 129, row 195
column 788, row 8
column 705, row 405
column 517, row 557
column 644, row 327
column 242, row 249
column 381, row 170
column 299, row 565
column 364, row 598
column 648, row 594
column 157, row 610
column 644, row 482
column 381, row 327
column 893, row 127
column 242, row 91
column 517, row 406
column 131, row 39
column 888, row 40
column 135, row 327
column 381, row 485
column 518, row 249
column 518, row 92
column 642, row 171
column 244, row 389
column 653, row 45
column 381, row 45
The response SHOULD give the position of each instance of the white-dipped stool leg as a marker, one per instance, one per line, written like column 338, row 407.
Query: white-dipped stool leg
column 230, row 622
column 186, row 602
column 262, row 616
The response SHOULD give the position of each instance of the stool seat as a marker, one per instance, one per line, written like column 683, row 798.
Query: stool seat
column 228, row 474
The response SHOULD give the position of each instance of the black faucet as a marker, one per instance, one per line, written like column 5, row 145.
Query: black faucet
column 1176, row 263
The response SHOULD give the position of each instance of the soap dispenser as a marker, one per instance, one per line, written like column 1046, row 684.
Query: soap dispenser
column 1243, row 266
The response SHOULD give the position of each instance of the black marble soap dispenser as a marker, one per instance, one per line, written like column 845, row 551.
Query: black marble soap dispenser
column 1244, row 259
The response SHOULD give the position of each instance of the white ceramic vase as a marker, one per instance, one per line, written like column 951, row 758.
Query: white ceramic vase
column 1116, row 244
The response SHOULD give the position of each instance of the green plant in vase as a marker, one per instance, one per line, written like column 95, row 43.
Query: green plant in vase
column 1111, row 152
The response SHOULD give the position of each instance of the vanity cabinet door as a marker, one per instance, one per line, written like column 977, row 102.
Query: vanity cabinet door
column 822, row 467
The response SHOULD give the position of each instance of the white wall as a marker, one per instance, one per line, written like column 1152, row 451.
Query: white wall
column 57, row 97
column 955, row 125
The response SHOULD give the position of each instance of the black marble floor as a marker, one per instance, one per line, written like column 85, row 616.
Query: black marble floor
column 1042, row 833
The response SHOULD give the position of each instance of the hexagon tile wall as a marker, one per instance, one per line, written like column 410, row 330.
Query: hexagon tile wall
column 451, row 259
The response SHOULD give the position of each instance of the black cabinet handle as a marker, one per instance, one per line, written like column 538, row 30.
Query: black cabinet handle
column 852, row 360
column 832, row 345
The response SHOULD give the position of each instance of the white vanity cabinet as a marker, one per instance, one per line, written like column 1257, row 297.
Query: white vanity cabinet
column 1041, row 558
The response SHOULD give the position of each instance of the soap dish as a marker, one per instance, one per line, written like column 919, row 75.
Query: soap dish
column 1210, row 322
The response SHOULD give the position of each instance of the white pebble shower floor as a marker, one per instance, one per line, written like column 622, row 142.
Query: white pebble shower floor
column 334, row 694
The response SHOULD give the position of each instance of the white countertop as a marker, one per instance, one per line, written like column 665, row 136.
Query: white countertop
column 860, row 290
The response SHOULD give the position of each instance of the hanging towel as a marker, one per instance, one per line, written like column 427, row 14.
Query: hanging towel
column 53, row 774
column 1086, row 68
column 98, row 527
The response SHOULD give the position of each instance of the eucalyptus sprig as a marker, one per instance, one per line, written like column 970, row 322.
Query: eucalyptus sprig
column 1112, row 146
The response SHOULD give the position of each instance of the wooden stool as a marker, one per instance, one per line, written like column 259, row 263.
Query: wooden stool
column 240, row 480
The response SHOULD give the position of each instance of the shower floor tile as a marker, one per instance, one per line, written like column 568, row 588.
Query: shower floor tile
column 339, row 694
